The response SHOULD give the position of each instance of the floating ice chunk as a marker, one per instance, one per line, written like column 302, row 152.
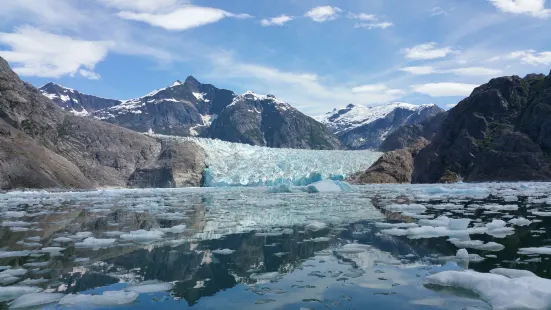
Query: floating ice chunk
column 15, row 224
column 14, row 214
column 541, row 251
column 496, row 207
column 12, row 292
column 477, row 245
column 174, row 229
column 397, row 225
column 462, row 254
column 499, row 291
column 223, row 252
column 35, row 300
column 264, row 276
column 413, row 208
column 315, row 226
column 459, row 192
column 512, row 273
column 497, row 229
column 495, row 224
column 143, row 236
column 94, row 243
column 439, row 221
column 16, row 254
column 458, row 224
column 109, row 298
column 328, row 186
column 53, row 250
column 63, row 239
column 541, row 213
column 11, row 275
column 520, row 221
column 150, row 288
column 82, row 235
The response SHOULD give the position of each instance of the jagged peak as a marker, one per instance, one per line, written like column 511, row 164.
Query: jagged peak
column 176, row 83
column 55, row 85
column 190, row 80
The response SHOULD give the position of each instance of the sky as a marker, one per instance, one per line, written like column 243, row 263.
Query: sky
column 315, row 54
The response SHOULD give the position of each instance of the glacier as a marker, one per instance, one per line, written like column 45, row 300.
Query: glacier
column 236, row 164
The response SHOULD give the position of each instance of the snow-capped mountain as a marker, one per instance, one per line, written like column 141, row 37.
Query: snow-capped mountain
column 183, row 108
column 190, row 108
column 74, row 101
column 264, row 120
column 361, row 127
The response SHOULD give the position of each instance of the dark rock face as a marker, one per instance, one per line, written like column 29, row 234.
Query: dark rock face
column 183, row 109
column 74, row 101
column 409, row 135
column 43, row 146
column 180, row 164
column 393, row 167
column 264, row 120
column 501, row 132
column 359, row 127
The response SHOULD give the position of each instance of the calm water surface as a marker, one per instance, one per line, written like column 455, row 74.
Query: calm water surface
column 244, row 248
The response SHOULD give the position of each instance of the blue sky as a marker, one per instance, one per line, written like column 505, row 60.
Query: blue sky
column 315, row 54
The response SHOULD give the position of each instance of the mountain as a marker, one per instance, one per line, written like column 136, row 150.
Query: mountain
column 74, row 101
column 409, row 135
column 182, row 109
column 194, row 109
column 43, row 146
column 501, row 132
column 265, row 120
column 361, row 127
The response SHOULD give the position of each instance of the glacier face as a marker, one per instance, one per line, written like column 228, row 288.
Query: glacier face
column 234, row 164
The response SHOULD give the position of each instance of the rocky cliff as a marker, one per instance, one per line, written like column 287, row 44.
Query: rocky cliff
column 75, row 102
column 42, row 146
column 412, row 134
column 501, row 132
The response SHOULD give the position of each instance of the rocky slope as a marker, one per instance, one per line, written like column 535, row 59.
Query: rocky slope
column 410, row 135
column 501, row 132
column 360, row 127
column 42, row 146
column 264, row 120
column 190, row 108
column 74, row 101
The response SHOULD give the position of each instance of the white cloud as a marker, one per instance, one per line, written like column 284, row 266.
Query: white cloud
column 428, row 51
column 371, row 26
column 420, row 70
column 89, row 74
column 276, row 21
column 534, row 8
column 363, row 16
column 322, row 14
column 376, row 88
column 474, row 71
column 532, row 57
column 141, row 5
column 184, row 18
column 38, row 53
column 306, row 91
column 445, row 89
column 436, row 11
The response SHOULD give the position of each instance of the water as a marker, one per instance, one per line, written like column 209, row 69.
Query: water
column 247, row 248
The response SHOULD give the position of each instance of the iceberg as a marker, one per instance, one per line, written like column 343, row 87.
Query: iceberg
column 235, row 164
column 502, row 289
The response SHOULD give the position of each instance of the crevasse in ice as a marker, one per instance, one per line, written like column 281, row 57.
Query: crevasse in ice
column 235, row 164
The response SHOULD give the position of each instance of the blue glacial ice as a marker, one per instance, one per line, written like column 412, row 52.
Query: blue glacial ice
column 235, row 164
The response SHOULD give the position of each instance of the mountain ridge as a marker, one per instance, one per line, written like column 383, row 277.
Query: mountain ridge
column 362, row 127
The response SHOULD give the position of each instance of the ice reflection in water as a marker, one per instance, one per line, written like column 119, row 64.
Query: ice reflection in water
column 248, row 248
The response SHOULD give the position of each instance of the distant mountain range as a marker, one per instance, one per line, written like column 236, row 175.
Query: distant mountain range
column 361, row 127
column 190, row 108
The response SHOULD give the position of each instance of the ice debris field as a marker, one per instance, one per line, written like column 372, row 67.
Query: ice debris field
column 490, row 239
column 236, row 164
